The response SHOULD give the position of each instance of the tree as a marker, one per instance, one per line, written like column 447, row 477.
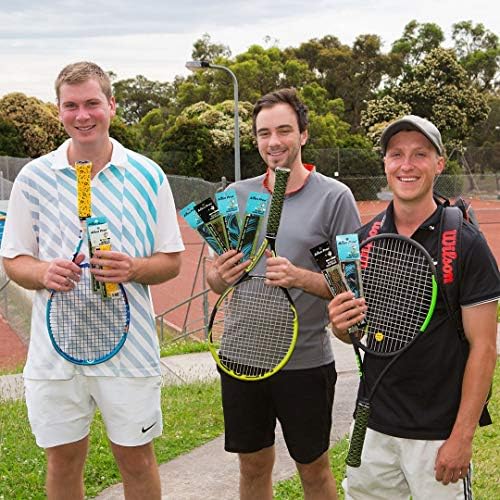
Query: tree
column 205, row 50
column 135, row 97
column 478, row 51
column 36, row 122
column 438, row 89
column 200, row 142
column 418, row 40
column 11, row 142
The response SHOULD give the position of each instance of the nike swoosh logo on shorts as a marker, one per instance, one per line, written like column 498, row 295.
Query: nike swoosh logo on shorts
column 148, row 428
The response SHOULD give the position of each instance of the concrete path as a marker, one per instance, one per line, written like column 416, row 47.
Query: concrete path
column 210, row 473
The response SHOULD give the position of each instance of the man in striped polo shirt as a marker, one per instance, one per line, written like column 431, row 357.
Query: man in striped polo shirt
column 133, row 193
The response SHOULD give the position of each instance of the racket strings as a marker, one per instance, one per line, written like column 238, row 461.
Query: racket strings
column 398, row 289
column 85, row 326
column 258, row 327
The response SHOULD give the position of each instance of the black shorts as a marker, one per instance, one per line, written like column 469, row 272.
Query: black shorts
column 302, row 401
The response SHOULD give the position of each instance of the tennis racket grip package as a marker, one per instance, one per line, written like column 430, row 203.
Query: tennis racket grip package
column 99, row 239
column 329, row 265
column 254, row 213
column 194, row 220
column 210, row 215
column 349, row 255
column 227, row 202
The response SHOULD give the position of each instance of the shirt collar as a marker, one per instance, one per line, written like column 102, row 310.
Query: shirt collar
column 311, row 168
column 388, row 225
column 60, row 158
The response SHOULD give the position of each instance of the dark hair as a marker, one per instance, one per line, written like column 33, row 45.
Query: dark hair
column 282, row 96
column 80, row 72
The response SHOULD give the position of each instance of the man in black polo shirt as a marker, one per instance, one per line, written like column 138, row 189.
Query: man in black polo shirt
column 426, row 409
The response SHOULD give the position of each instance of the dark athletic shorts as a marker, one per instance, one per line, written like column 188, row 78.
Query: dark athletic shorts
column 301, row 400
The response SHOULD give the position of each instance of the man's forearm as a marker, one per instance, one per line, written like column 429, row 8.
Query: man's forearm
column 158, row 268
column 26, row 271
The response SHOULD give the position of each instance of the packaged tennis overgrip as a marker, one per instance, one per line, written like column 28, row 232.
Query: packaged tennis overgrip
column 213, row 220
column 254, row 213
column 227, row 202
column 98, row 238
column 330, row 267
column 194, row 220
column 348, row 252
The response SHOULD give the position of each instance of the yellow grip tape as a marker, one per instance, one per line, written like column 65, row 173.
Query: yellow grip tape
column 109, row 289
column 83, row 191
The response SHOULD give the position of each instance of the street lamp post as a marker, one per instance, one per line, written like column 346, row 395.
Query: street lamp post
column 202, row 65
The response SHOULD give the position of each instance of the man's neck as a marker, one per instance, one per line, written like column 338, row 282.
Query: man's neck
column 408, row 217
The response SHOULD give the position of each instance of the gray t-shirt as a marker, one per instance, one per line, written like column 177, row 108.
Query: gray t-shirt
column 316, row 213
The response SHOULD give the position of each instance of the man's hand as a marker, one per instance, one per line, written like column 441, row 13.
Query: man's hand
column 226, row 269
column 345, row 311
column 281, row 272
column 453, row 459
column 112, row 267
column 62, row 275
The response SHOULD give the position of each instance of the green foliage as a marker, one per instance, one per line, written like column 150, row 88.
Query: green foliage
column 127, row 135
column 417, row 41
column 36, row 122
column 205, row 50
column 437, row 89
column 11, row 141
column 478, row 50
column 135, row 97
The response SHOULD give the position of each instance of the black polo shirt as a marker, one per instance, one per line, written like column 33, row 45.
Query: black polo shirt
column 419, row 397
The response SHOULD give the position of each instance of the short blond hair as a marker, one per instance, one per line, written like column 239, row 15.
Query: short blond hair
column 80, row 72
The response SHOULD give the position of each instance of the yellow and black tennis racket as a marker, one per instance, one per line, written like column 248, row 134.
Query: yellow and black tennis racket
column 253, row 327
column 400, row 289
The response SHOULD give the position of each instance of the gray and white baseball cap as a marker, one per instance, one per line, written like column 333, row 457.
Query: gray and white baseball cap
column 413, row 122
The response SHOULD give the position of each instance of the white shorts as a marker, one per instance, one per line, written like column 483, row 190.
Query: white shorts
column 60, row 411
column 396, row 468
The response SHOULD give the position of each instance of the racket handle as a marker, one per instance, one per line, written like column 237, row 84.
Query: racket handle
column 358, row 434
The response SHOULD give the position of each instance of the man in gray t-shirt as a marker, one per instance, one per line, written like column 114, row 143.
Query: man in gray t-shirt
column 300, row 396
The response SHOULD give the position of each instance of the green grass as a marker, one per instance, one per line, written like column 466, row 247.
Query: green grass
column 182, row 347
column 485, row 482
column 192, row 416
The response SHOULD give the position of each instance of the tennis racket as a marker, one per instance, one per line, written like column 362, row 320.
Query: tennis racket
column 84, row 327
column 400, row 288
column 253, row 327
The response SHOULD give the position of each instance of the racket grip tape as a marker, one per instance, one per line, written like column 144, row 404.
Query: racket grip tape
column 83, row 171
column 358, row 434
column 280, row 181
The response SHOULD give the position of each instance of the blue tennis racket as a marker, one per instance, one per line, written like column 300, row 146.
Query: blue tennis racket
column 84, row 327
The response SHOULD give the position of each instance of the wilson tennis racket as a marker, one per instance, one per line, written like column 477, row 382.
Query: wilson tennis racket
column 400, row 288
column 253, row 327
column 84, row 327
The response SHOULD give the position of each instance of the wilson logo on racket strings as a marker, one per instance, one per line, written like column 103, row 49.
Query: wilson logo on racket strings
column 448, row 254
column 365, row 251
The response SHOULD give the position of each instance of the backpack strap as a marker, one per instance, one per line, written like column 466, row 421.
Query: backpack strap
column 448, row 268
column 449, row 254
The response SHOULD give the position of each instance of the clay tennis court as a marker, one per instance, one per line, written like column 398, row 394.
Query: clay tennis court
column 166, row 296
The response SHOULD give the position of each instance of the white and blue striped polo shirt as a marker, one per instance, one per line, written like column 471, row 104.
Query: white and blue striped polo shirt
column 133, row 193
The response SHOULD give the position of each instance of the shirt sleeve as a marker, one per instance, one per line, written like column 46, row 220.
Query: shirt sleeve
column 19, row 237
column 167, row 236
column 480, row 279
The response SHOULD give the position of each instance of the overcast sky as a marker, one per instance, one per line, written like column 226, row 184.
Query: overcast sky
column 155, row 38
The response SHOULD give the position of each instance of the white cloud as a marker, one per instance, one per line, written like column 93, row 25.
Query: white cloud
column 155, row 38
